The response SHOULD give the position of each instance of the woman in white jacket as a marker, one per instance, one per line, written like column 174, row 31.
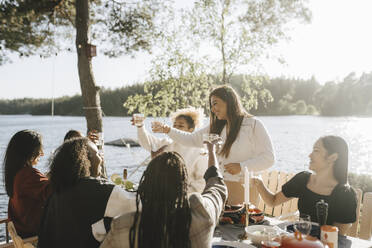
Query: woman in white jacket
column 246, row 141
column 196, row 163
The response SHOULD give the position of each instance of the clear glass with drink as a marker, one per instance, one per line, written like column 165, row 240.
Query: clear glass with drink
column 157, row 126
column 138, row 119
column 212, row 138
column 303, row 225
column 273, row 240
column 100, row 141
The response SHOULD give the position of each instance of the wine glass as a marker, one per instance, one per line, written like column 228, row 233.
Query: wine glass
column 212, row 138
column 303, row 225
column 138, row 119
column 273, row 239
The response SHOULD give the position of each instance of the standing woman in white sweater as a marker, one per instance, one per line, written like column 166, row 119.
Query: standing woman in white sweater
column 196, row 164
column 246, row 141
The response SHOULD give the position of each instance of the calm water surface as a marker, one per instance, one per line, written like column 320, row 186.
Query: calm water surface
column 292, row 136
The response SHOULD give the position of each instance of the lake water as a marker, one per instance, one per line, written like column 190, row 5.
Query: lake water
column 292, row 136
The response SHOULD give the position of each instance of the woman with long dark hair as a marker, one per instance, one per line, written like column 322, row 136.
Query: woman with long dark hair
column 328, row 182
column 27, row 188
column 75, row 209
column 246, row 141
column 168, row 217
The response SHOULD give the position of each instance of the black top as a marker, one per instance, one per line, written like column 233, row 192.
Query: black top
column 69, row 215
column 342, row 202
column 212, row 172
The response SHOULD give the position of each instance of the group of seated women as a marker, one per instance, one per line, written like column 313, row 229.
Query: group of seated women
column 181, row 194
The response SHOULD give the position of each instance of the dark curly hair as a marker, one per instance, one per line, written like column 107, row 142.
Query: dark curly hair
column 165, row 217
column 70, row 164
column 72, row 134
column 22, row 149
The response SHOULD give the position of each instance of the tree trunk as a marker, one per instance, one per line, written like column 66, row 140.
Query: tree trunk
column 222, row 40
column 89, row 90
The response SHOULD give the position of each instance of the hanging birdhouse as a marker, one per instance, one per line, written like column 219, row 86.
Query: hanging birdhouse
column 91, row 50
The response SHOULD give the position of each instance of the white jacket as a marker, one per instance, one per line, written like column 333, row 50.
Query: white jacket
column 196, row 164
column 252, row 147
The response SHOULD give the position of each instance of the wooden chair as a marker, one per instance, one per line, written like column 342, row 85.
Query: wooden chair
column 5, row 221
column 274, row 180
column 366, row 217
column 353, row 230
column 18, row 242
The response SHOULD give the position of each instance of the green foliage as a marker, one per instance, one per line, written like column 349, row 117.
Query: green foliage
column 111, row 101
column 311, row 110
column 351, row 96
column 28, row 27
column 252, row 91
column 242, row 30
column 169, row 93
column 361, row 181
column 301, row 107
column 43, row 27
column 177, row 82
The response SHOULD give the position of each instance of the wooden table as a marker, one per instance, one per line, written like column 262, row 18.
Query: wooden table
column 228, row 235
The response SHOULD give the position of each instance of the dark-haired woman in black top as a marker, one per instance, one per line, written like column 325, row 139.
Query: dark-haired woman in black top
column 329, row 163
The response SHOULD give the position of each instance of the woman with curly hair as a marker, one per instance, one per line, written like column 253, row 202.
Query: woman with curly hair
column 187, row 120
column 168, row 216
column 79, row 201
column 27, row 188
column 247, row 145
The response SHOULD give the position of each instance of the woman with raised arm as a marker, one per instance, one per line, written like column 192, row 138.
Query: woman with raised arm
column 246, row 141
column 328, row 182
column 27, row 188
column 169, row 217
column 81, row 206
column 187, row 120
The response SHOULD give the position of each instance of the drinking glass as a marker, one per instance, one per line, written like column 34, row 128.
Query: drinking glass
column 210, row 138
column 138, row 119
column 303, row 225
column 273, row 239
column 100, row 141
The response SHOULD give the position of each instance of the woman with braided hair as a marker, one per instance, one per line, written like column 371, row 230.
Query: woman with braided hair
column 168, row 217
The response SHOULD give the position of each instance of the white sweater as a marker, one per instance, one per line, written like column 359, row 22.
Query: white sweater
column 252, row 147
column 196, row 164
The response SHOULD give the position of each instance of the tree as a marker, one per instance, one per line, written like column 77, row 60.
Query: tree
column 241, row 30
column 27, row 26
column 37, row 27
column 177, row 82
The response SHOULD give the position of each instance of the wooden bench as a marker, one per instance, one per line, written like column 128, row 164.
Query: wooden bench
column 274, row 180
column 362, row 227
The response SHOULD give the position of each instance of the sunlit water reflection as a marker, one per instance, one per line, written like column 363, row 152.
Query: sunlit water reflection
column 293, row 138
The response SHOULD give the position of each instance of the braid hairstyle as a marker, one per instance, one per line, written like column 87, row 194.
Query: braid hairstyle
column 165, row 218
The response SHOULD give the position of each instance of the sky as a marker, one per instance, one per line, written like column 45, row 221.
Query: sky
column 337, row 42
